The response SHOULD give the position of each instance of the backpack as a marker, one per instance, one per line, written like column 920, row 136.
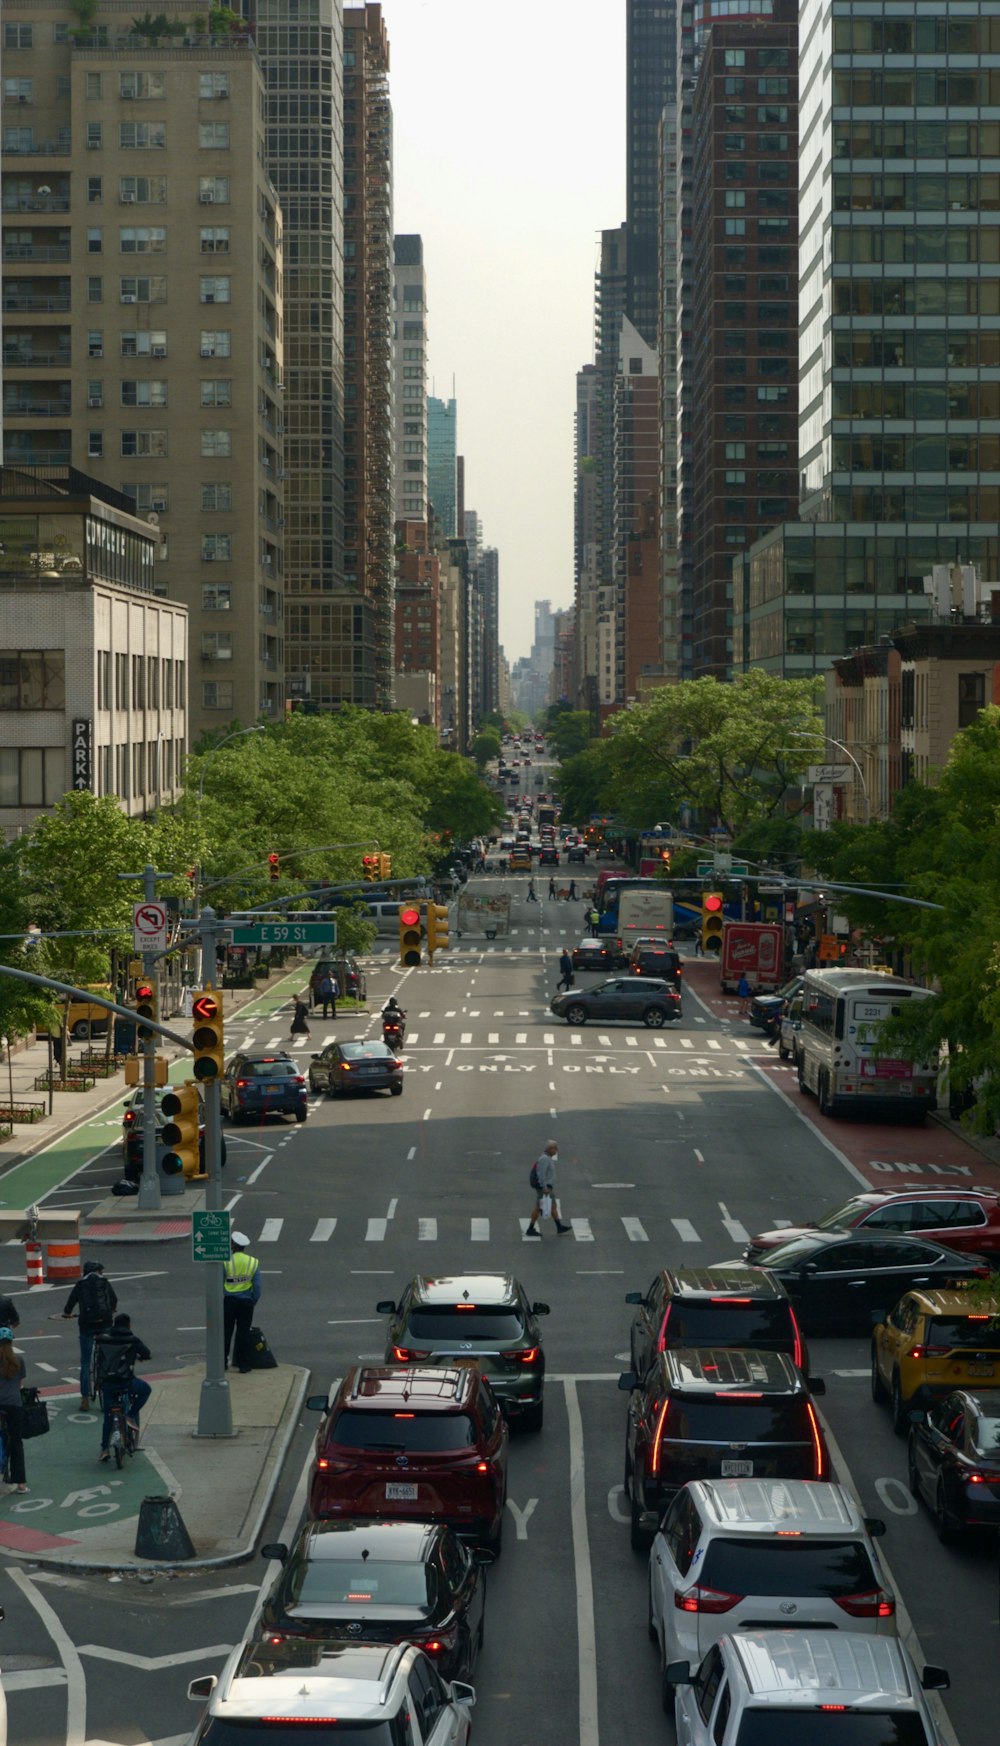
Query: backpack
column 533, row 1179
column 113, row 1361
column 96, row 1307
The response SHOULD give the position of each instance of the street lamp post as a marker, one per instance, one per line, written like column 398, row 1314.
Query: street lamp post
column 830, row 741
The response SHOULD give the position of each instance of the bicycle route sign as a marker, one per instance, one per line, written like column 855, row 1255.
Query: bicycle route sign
column 210, row 1236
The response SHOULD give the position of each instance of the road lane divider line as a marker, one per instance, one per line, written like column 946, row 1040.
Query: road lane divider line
column 588, row 1733
column 840, row 1156
column 76, row 1679
column 251, row 1179
column 480, row 1232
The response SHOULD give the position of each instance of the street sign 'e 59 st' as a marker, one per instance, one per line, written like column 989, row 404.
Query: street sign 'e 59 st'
column 321, row 933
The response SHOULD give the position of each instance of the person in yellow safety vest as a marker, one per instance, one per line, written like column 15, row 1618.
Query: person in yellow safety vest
column 241, row 1290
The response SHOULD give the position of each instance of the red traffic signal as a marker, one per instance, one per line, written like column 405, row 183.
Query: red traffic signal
column 204, row 1008
column 712, row 903
column 144, row 991
column 274, row 864
column 409, row 917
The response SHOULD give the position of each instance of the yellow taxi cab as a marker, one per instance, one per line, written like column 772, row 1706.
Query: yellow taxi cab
column 938, row 1340
column 520, row 861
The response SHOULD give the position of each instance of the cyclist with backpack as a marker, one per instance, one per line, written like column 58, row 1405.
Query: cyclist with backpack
column 93, row 1297
column 115, row 1354
column 543, row 1181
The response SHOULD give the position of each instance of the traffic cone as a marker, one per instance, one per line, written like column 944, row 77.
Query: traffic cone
column 33, row 1263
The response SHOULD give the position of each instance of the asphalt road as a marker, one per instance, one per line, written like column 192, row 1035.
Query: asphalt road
column 672, row 1147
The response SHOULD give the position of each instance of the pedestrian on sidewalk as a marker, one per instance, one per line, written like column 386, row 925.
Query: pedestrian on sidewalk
column 11, row 1410
column 552, row 886
column 543, row 1181
column 300, row 1017
column 115, row 1354
column 744, row 992
column 240, row 1292
column 565, row 970
column 94, row 1299
column 532, row 894
column 328, row 990
column 572, row 891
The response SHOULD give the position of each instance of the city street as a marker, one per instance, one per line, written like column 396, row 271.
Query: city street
column 674, row 1147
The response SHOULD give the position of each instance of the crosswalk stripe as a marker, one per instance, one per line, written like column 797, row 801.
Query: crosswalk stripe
column 738, row 1232
column 548, row 1037
column 324, row 1230
column 466, row 1037
column 427, row 1230
column 632, row 1042
column 272, row 1042
column 782, row 1224
column 687, row 1042
column 493, row 1037
column 582, row 1231
column 634, row 1231
column 270, row 1231
column 376, row 1230
column 685, row 1230
column 520, row 1036
column 480, row 1230
column 714, row 1043
column 414, row 1037
column 659, row 1043
column 604, row 1041
column 439, row 1036
column 575, row 1037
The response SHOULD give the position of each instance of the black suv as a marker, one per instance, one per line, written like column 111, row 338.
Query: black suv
column 715, row 1413
column 731, row 1306
column 655, row 958
column 258, row 1085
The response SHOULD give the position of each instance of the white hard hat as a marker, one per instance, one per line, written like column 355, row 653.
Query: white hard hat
column 239, row 1241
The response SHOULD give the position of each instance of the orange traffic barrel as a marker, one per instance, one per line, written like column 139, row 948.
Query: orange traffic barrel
column 33, row 1264
column 64, row 1259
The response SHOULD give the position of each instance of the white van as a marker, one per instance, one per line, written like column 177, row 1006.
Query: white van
column 385, row 916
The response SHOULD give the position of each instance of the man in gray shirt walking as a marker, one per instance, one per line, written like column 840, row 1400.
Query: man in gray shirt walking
column 545, row 1176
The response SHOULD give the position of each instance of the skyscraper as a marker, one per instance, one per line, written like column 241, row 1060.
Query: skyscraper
column 651, row 82
column 442, row 485
column 410, row 308
column 899, row 354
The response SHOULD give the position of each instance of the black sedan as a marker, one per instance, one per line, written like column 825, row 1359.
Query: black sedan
column 593, row 955
column 382, row 1582
column 954, row 1460
column 359, row 1066
column 638, row 998
column 838, row 1280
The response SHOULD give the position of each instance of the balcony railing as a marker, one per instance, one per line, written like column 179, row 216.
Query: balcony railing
column 15, row 360
column 35, row 409
column 36, row 251
column 35, row 203
column 17, row 303
column 39, row 148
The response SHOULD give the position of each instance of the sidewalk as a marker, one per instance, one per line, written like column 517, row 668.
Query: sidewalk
column 81, row 1514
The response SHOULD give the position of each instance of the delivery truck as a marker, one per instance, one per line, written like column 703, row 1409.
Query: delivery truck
column 754, row 950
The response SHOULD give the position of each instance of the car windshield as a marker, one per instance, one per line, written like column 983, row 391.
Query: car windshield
column 445, row 1323
column 253, row 1732
column 944, row 1333
column 365, row 1051
column 842, row 1216
column 717, row 1420
column 403, row 1430
column 268, row 1069
column 833, row 1727
column 986, row 1437
column 729, row 1324
column 786, row 1567
column 350, row 1582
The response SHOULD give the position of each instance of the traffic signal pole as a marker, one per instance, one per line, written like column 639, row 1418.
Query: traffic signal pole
column 215, row 1407
column 151, row 1185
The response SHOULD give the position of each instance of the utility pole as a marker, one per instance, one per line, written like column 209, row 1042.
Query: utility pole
column 215, row 1407
column 151, row 1184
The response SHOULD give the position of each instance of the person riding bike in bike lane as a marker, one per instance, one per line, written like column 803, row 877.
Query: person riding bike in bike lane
column 115, row 1355
column 95, row 1300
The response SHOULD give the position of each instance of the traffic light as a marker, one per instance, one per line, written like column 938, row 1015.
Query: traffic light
column 206, row 1036
column 274, row 865
column 437, row 929
column 181, row 1133
column 712, row 922
column 665, row 859
column 145, row 1008
column 410, row 938
column 370, row 868
column 385, row 866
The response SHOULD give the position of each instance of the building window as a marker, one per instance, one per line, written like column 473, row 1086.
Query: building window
column 95, row 240
column 213, row 136
column 734, row 57
column 144, row 393
column 217, row 392
column 735, row 142
column 136, row 86
column 736, row 451
column 149, row 499
column 971, row 697
column 216, row 645
column 736, row 476
column 95, row 190
column 33, row 679
column 95, row 289
column 216, row 343
column 147, row 289
column 32, row 776
column 95, row 394
column 217, row 444
column 213, row 85
column 142, row 136
column 94, row 136
column 216, row 548
column 215, row 239
column 217, row 694
column 144, row 239
column 150, row 344
column 18, row 36
column 144, row 442
column 142, row 190
column 735, row 197
column 216, row 596
column 213, row 190
column 216, row 497
column 736, row 226
column 95, row 343
column 104, row 678
column 214, row 290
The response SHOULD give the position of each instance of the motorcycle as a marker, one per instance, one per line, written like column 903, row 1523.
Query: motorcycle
column 393, row 1031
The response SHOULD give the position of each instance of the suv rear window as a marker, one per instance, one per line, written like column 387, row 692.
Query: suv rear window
column 717, row 1420
column 252, row 1732
column 946, row 1332
column 442, row 1323
column 773, row 1727
column 403, row 1430
column 729, row 1324
column 780, row 1567
column 267, row 1069
column 342, row 1582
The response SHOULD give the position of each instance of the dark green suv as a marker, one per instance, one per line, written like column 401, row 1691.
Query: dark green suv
column 486, row 1318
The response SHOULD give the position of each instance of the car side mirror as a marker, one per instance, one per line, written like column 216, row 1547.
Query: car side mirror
column 916, row 1416
column 816, row 1385
column 634, row 1297
column 874, row 1526
column 628, row 1382
column 275, row 1549
column 810, row 1267
column 385, row 1307
column 314, row 1057
column 202, row 1687
column 679, row 1673
column 317, row 1403
column 540, row 1309
column 462, row 1693
column 935, row 1679
column 483, row 1556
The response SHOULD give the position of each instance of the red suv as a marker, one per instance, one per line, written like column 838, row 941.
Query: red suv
column 960, row 1218
column 413, row 1443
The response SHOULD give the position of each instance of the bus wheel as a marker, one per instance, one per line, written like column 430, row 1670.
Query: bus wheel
column 825, row 1100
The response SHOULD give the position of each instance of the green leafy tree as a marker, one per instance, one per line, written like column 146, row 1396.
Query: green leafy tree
column 568, row 731
column 485, row 747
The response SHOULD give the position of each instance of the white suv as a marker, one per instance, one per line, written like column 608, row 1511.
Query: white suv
column 805, row 1688
column 370, row 1694
column 751, row 1554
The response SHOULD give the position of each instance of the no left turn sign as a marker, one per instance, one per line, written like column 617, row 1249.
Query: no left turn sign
column 149, row 926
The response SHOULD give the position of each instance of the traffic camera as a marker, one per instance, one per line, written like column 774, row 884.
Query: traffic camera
column 181, row 1134
column 437, row 929
column 410, row 937
column 145, row 1008
column 370, row 868
column 206, row 1036
column 712, row 922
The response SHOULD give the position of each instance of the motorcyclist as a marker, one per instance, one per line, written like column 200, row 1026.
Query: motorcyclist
column 393, row 1019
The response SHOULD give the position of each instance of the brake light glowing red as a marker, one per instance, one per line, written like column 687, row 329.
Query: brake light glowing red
column 875, row 1603
column 404, row 1415
column 241, row 1084
column 738, row 1394
column 434, row 1647
column 654, row 1464
column 322, row 1463
column 835, row 1709
column 482, row 1466
column 465, row 1306
column 731, row 1300
column 360, row 1597
column 705, row 1600
column 817, row 1436
column 662, row 1341
column 529, row 1355
column 406, row 1354
column 789, row 1533
column 798, row 1350
column 919, row 1351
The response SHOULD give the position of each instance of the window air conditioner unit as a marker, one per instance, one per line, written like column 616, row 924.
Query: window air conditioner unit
column 209, row 296
column 94, row 400
column 158, row 351
column 207, row 197
column 129, row 297
column 128, row 199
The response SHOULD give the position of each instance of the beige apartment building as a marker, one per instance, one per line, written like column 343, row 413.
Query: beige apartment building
column 142, row 311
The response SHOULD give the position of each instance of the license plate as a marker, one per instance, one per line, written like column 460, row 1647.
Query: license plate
column 395, row 1492
column 981, row 1369
column 737, row 1470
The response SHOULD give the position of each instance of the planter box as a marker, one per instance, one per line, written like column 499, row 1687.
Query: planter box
column 22, row 1112
column 234, row 981
column 262, row 972
column 77, row 1082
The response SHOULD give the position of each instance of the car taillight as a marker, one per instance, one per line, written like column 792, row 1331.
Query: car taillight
column 705, row 1600
column 409, row 1354
column 529, row 1355
column 875, row 1603
column 242, row 1083
column 798, row 1350
column 654, row 1464
column 817, row 1436
column 298, row 1079
column 322, row 1463
column 919, row 1351
column 482, row 1466
column 128, row 1118
column 661, row 1343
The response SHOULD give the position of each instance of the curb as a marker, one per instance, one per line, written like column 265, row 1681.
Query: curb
column 988, row 1150
column 242, row 1555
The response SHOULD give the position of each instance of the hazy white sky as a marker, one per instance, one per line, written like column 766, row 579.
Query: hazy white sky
column 509, row 160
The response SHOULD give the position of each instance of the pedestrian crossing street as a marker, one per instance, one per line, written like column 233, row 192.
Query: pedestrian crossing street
column 721, row 1229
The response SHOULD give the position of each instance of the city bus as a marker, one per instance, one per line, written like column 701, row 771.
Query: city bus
column 842, row 1012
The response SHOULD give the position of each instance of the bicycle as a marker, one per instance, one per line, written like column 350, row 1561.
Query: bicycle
column 123, row 1437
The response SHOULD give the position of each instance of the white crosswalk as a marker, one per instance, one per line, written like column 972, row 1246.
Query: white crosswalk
column 482, row 1230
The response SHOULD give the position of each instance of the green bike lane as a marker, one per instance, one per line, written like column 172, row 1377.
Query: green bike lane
column 86, row 1141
